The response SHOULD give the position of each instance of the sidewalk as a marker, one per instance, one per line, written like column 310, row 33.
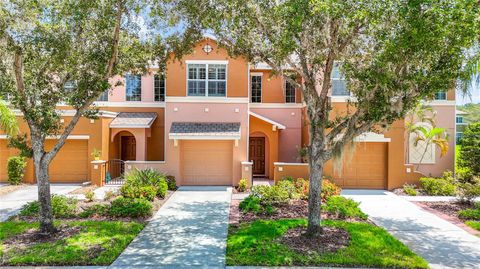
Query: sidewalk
column 442, row 244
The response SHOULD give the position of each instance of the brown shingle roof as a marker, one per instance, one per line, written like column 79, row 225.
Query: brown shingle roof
column 134, row 120
column 205, row 128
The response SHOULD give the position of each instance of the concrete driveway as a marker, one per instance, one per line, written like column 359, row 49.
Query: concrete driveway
column 442, row 244
column 190, row 230
column 11, row 203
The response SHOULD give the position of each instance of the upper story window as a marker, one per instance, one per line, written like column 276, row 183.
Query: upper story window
column 459, row 119
column 103, row 97
column 290, row 92
column 133, row 87
column 256, row 88
column 207, row 80
column 70, row 85
column 441, row 95
column 159, row 88
column 339, row 84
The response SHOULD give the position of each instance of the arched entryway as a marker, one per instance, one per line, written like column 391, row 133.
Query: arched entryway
column 124, row 146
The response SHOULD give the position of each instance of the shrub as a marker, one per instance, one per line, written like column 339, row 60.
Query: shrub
column 172, row 183
column 409, row 189
column 162, row 188
column 242, row 185
column 469, row 214
column 128, row 207
column 271, row 194
column 89, row 196
column 343, row 208
column 146, row 183
column 289, row 187
column 16, row 169
column 62, row 207
column 108, row 195
column 95, row 210
column 251, row 204
column 464, row 175
column 300, row 185
column 467, row 192
column 437, row 186
column 329, row 189
column 470, row 150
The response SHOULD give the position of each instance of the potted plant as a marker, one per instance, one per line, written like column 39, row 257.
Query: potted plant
column 96, row 154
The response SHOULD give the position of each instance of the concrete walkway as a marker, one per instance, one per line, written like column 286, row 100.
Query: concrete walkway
column 11, row 203
column 190, row 230
column 442, row 244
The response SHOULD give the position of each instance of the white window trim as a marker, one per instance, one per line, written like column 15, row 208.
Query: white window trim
column 261, row 87
column 164, row 85
column 206, row 63
column 285, row 93
column 339, row 96
column 141, row 90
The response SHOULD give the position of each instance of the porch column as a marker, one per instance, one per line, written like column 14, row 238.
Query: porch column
column 141, row 144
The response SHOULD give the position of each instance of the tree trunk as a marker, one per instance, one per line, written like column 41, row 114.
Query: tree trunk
column 43, row 182
column 314, row 197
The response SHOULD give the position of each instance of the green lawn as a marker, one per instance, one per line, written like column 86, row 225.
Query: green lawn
column 474, row 224
column 98, row 243
column 370, row 246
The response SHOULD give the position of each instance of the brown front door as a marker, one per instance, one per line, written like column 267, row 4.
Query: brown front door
column 257, row 155
column 129, row 148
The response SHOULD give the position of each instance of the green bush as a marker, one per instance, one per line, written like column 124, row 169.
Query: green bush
column 343, row 208
column 410, row 190
column 95, row 210
column 437, row 186
column 62, row 207
column 329, row 189
column 271, row 195
column 242, row 185
column 251, row 204
column 162, row 188
column 464, row 175
column 289, row 187
column 128, row 207
column 172, row 183
column 468, row 191
column 89, row 196
column 16, row 169
column 108, row 195
column 469, row 214
column 470, row 150
column 146, row 183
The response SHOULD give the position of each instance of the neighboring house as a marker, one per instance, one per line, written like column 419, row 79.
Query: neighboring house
column 212, row 119
column 460, row 124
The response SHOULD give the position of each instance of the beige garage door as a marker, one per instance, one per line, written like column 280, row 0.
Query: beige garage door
column 4, row 154
column 366, row 169
column 71, row 162
column 207, row 162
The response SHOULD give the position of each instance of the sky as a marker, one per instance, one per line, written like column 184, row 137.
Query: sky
column 475, row 95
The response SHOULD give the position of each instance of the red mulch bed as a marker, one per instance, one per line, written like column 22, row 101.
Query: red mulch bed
column 449, row 212
column 331, row 240
column 293, row 210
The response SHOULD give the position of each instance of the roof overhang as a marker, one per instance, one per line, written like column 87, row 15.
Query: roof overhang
column 205, row 131
column 265, row 119
column 133, row 120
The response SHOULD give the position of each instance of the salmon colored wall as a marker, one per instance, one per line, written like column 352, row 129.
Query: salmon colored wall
column 271, row 138
column 237, row 71
column 195, row 112
column 84, row 126
column 156, row 141
column 290, row 139
column 294, row 170
column 118, row 91
column 445, row 118
column 273, row 88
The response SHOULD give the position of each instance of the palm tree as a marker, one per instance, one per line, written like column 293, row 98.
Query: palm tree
column 421, row 113
column 436, row 136
column 8, row 121
column 470, row 72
